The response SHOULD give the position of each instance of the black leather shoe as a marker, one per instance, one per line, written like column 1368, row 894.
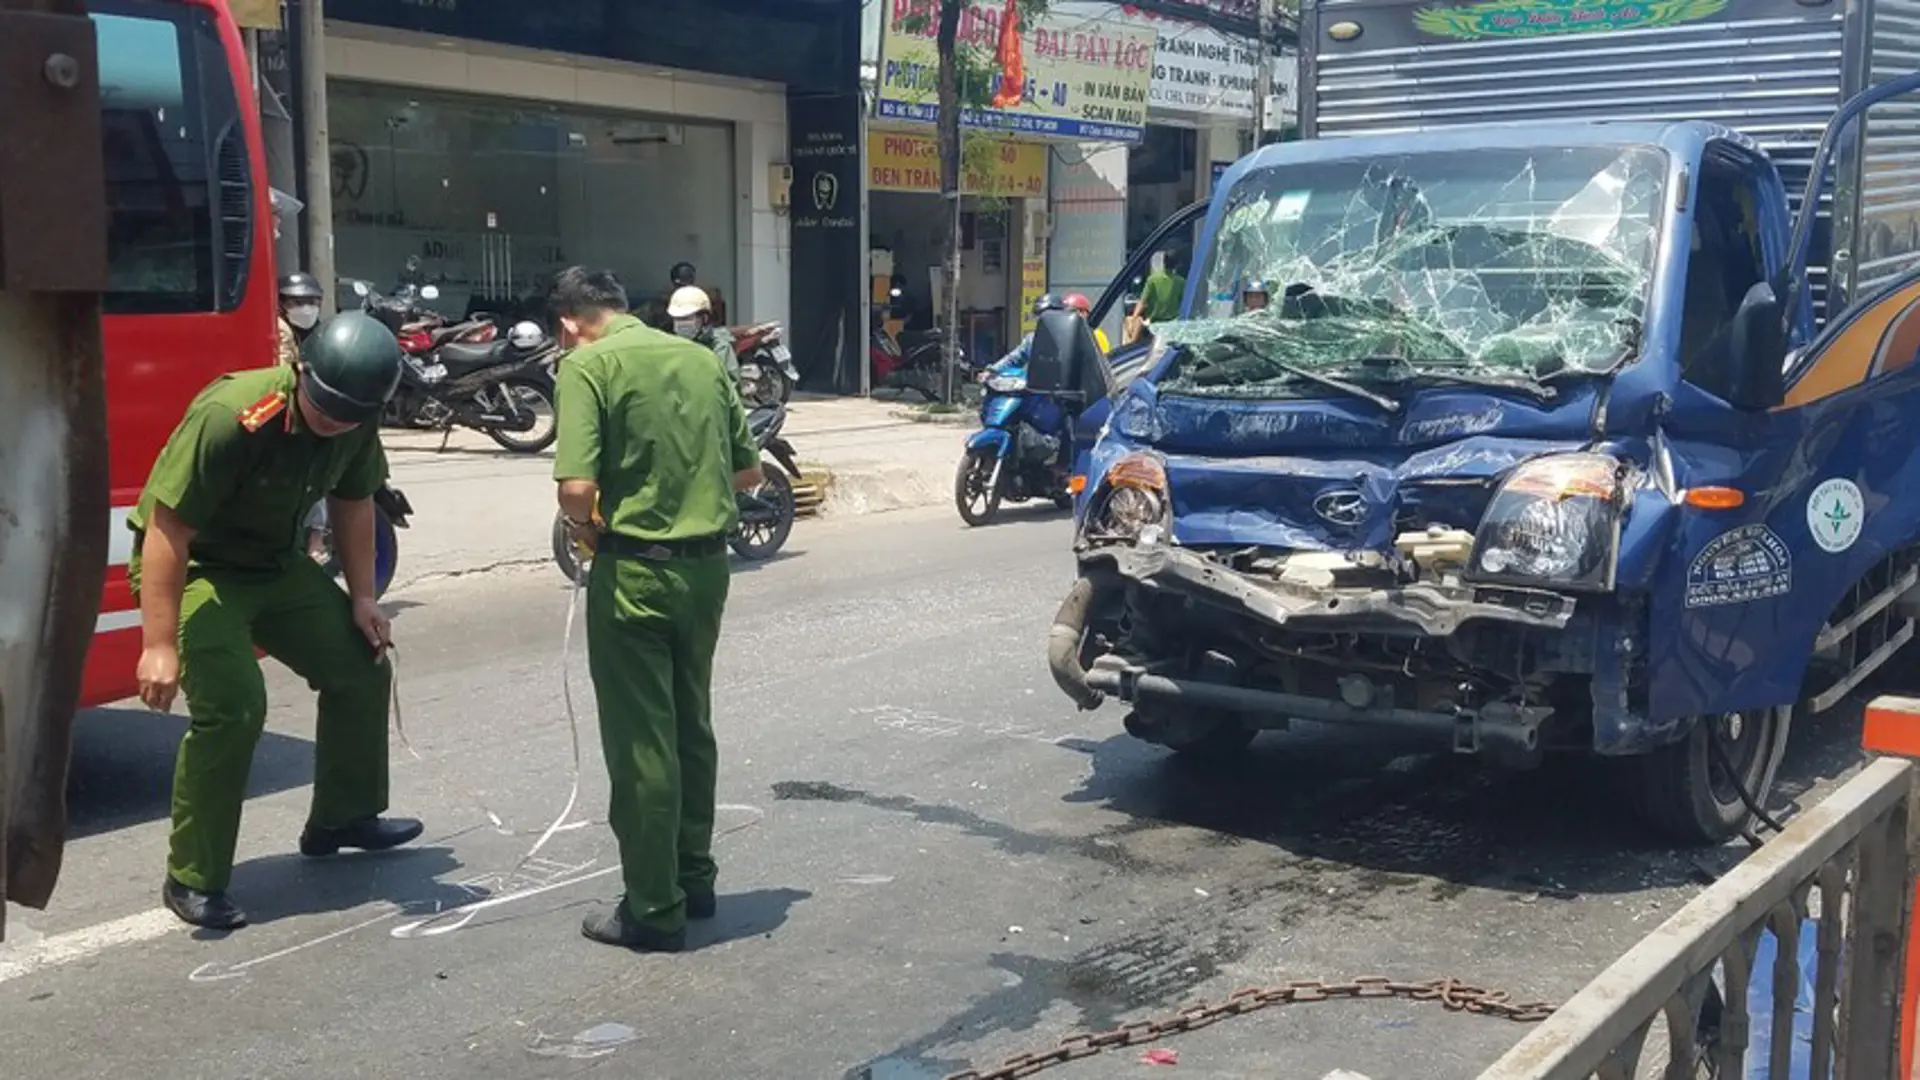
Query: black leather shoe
column 211, row 910
column 617, row 928
column 372, row 834
column 701, row 905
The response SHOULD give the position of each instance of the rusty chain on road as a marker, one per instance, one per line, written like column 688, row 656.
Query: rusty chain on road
column 1454, row 995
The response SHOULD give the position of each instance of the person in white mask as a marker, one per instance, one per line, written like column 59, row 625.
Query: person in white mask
column 692, row 313
column 300, row 298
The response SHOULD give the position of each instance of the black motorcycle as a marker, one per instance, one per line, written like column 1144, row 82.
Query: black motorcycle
column 766, row 513
column 503, row 388
column 390, row 512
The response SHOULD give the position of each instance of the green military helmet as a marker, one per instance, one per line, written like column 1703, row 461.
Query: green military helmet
column 349, row 367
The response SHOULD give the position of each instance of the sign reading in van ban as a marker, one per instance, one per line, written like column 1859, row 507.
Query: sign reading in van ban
column 1070, row 78
column 1536, row 18
column 1003, row 169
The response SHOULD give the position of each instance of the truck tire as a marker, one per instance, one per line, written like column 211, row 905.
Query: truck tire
column 1682, row 793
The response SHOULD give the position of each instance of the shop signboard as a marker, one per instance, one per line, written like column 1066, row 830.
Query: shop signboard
column 256, row 14
column 1197, row 70
column 1076, row 78
column 1033, row 285
column 828, row 248
column 1002, row 169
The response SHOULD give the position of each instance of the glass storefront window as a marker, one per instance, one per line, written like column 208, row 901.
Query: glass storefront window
column 494, row 196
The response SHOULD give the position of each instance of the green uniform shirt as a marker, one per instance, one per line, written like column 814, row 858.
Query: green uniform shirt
column 246, row 493
column 652, row 420
column 1161, row 296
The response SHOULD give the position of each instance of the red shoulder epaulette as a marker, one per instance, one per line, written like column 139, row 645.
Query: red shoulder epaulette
column 258, row 413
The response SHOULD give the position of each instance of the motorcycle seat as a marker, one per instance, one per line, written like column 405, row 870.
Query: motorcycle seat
column 460, row 355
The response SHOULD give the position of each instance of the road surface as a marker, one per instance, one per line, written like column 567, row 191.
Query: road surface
column 929, row 859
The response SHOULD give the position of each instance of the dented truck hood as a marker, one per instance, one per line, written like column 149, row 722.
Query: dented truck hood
column 1258, row 472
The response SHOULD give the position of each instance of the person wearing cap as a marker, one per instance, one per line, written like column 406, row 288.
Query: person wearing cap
column 691, row 310
column 300, row 298
column 653, row 445
column 219, row 571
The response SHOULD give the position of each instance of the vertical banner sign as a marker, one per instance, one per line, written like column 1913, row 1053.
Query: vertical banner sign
column 824, row 135
column 1033, row 285
column 1066, row 77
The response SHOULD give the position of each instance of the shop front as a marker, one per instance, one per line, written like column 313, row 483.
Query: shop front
column 1004, row 187
column 490, row 197
column 1083, row 86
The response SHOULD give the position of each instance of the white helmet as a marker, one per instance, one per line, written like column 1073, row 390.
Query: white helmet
column 525, row 335
column 688, row 301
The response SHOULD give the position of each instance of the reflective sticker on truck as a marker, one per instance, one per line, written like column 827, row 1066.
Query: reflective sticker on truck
column 1738, row 567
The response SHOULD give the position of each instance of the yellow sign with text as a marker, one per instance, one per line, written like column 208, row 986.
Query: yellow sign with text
column 1055, row 76
column 1033, row 285
column 1007, row 170
column 256, row 14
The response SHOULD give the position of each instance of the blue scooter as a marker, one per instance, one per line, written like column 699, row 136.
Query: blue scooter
column 1022, row 451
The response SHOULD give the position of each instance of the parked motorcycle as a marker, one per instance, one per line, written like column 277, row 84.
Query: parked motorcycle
column 915, row 362
column 390, row 512
column 766, row 513
column 767, row 374
column 1022, row 451
column 503, row 387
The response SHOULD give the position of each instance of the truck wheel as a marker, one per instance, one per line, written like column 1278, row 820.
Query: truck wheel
column 1685, row 794
column 1221, row 740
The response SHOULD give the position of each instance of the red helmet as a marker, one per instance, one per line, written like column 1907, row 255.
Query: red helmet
column 1079, row 303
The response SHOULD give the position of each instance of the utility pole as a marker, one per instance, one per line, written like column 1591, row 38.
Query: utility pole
column 1263, row 82
column 315, row 140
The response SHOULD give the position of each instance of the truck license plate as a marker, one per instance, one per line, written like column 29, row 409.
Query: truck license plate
column 780, row 353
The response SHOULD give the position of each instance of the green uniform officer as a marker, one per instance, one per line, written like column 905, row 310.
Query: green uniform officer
column 653, row 443
column 220, row 569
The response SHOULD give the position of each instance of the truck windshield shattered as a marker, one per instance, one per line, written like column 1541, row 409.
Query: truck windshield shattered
column 1501, row 268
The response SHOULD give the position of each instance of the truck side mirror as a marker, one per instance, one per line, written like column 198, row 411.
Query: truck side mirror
column 1759, row 350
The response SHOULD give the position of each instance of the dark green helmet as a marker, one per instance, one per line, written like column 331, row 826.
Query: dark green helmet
column 349, row 367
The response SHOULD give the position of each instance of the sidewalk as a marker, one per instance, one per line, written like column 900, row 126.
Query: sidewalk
column 477, row 506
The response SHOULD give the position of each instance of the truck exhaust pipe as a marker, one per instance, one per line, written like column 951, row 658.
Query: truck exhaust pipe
column 1063, row 644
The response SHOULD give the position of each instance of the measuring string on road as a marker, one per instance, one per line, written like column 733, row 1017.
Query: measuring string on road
column 560, row 823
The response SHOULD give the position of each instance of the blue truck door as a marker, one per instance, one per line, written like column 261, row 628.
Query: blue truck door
column 1127, row 362
column 1830, row 476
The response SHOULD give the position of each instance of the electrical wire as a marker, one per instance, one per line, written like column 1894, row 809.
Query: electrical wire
column 1716, row 748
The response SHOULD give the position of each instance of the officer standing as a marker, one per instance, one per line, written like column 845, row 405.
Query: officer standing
column 653, row 444
column 219, row 570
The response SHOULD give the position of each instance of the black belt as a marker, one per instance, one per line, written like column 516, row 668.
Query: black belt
column 632, row 547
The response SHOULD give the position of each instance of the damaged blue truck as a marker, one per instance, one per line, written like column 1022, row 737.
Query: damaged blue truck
column 1574, row 425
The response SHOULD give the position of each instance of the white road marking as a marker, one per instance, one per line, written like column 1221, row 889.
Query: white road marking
column 61, row 949
column 216, row 972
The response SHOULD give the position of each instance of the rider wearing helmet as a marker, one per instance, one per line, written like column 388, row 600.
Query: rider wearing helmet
column 1255, row 296
column 218, row 572
column 1048, row 302
column 300, row 298
column 692, row 313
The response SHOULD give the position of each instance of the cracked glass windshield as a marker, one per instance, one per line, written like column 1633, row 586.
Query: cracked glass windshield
column 1499, row 268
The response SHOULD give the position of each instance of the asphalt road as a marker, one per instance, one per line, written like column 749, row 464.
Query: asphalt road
column 929, row 859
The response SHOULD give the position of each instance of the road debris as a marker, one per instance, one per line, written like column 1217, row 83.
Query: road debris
column 1161, row 1056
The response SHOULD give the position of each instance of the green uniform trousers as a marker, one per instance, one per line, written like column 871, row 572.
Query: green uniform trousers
column 302, row 619
column 652, row 628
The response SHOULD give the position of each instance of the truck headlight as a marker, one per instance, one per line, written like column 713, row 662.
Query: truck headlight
column 1134, row 496
column 1554, row 521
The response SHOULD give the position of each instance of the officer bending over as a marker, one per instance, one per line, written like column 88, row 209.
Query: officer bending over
column 219, row 569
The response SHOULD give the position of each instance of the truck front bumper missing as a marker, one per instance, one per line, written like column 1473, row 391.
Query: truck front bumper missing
column 1429, row 610
column 1413, row 610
